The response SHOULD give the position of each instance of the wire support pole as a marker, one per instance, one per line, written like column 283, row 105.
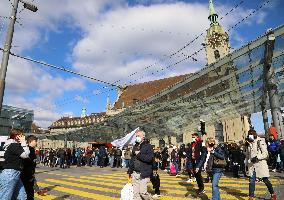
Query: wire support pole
column 264, row 114
column 271, row 85
column 6, row 50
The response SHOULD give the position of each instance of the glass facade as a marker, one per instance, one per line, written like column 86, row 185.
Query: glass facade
column 13, row 117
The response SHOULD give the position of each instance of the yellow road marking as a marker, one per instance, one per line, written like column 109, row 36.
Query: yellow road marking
column 46, row 197
column 174, row 179
column 178, row 182
column 78, row 192
column 116, row 183
column 117, row 191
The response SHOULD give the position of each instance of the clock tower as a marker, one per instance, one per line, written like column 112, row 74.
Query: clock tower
column 217, row 40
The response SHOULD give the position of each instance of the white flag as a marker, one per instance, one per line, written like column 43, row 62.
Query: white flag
column 126, row 140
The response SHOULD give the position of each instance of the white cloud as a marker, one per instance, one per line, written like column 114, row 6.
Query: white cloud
column 106, row 52
column 83, row 100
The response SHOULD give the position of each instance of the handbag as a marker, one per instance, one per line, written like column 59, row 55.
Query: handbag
column 219, row 163
column 127, row 191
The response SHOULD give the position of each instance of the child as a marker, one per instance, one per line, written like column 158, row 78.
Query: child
column 155, row 178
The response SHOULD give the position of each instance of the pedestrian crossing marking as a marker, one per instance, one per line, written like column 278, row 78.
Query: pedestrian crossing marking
column 165, row 187
column 48, row 197
column 231, row 183
column 172, row 178
column 171, row 186
column 78, row 192
column 117, row 191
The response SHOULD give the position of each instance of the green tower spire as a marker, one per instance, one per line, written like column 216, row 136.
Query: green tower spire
column 212, row 14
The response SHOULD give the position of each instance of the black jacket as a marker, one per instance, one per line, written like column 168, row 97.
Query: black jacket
column 143, row 161
column 29, row 165
column 219, row 153
column 199, row 152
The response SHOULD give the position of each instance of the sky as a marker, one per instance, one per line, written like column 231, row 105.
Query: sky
column 110, row 40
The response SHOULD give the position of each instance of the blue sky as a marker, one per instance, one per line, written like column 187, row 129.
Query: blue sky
column 110, row 39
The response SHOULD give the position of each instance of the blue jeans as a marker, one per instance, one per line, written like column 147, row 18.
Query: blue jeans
column 111, row 161
column 11, row 186
column 216, row 175
column 252, row 180
column 127, row 163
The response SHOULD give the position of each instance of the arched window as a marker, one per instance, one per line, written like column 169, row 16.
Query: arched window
column 217, row 54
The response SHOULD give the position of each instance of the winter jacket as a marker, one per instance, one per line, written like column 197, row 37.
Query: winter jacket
column 199, row 150
column 143, row 161
column 258, row 149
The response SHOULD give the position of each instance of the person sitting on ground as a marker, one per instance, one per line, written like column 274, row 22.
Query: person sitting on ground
column 11, row 185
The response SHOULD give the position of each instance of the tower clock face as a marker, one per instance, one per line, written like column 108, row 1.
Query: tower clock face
column 216, row 40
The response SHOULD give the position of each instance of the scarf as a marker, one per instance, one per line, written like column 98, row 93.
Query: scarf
column 193, row 147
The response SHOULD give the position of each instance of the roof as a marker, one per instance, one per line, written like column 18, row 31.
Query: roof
column 142, row 91
column 60, row 122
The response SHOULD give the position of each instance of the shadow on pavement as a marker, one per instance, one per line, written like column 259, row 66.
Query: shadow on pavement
column 51, row 170
column 62, row 197
column 234, row 192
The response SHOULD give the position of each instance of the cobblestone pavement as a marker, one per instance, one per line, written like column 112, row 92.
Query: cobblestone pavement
column 106, row 184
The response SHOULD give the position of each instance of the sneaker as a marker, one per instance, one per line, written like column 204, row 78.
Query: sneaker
column 189, row 180
column 194, row 179
column 274, row 170
column 155, row 196
column 273, row 197
column 199, row 192
column 165, row 170
column 42, row 192
column 178, row 175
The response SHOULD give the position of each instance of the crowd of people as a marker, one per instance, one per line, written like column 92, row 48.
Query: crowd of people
column 251, row 158
column 100, row 156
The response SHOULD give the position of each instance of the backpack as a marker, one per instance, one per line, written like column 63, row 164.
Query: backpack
column 273, row 146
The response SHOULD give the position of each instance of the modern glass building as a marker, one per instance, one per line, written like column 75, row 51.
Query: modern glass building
column 13, row 117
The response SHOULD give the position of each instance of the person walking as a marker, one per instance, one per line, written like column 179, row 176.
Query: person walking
column 281, row 153
column 61, row 155
column 256, row 156
column 16, row 149
column 141, row 166
column 214, row 164
column 28, row 172
column 102, row 156
column 127, row 157
column 236, row 159
column 118, row 157
column 174, row 160
column 182, row 157
column 273, row 149
column 78, row 155
column 89, row 153
column 195, row 162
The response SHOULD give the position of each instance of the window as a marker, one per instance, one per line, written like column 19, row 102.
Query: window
column 217, row 54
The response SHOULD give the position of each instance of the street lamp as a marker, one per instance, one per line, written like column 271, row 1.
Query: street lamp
column 8, row 44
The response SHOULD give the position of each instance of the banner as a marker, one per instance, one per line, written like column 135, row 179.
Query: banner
column 126, row 140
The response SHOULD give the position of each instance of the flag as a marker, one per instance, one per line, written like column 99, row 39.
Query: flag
column 126, row 140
